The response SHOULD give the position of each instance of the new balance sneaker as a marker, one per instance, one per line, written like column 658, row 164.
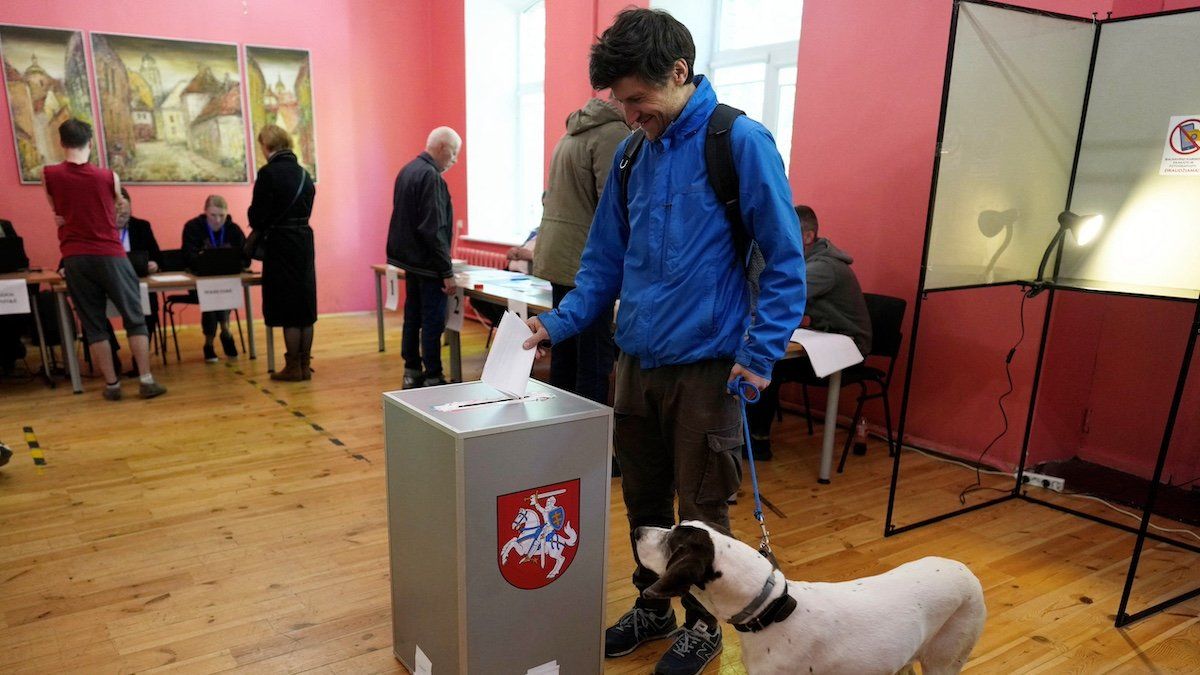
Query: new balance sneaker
column 413, row 379
column 639, row 625
column 210, row 354
column 228, row 345
column 694, row 647
column 436, row 381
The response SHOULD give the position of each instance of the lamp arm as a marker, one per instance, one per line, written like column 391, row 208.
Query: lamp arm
column 1046, row 256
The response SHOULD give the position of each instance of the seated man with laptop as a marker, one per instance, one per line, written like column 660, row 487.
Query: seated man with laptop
column 137, row 237
column 212, row 246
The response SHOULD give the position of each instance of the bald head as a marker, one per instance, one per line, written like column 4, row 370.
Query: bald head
column 443, row 145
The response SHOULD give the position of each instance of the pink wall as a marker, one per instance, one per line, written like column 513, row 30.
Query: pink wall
column 874, row 205
column 381, row 82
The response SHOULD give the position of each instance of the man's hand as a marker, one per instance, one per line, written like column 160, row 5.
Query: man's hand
column 539, row 336
column 750, row 378
column 59, row 220
column 449, row 285
column 153, row 267
column 519, row 253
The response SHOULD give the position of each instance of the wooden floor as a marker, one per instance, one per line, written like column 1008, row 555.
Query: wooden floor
column 237, row 524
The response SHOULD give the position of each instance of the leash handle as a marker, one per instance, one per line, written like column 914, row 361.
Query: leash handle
column 748, row 393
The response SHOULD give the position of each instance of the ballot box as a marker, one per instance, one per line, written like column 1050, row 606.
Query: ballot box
column 497, row 529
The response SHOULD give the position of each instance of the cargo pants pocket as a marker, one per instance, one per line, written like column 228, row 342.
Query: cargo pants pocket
column 722, row 471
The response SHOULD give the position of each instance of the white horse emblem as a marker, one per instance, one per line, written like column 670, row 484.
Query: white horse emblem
column 541, row 531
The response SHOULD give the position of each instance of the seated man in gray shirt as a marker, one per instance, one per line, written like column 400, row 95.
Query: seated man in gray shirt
column 835, row 305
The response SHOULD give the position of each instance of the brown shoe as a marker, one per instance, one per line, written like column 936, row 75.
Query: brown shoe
column 151, row 390
column 305, row 367
column 291, row 371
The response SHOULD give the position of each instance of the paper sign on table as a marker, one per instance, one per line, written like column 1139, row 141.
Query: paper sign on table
column 393, row 289
column 14, row 297
column 111, row 311
column 454, row 311
column 828, row 352
column 519, row 308
column 508, row 363
column 421, row 663
column 219, row 293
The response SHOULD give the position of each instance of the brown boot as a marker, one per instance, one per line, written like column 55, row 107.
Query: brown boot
column 291, row 371
column 305, row 369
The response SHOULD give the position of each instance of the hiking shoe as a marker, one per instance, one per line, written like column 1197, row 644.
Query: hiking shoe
column 112, row 393
column 5, row 454
column 210, row 354
column 694, row 647
column 639, row 625
column 413, row 380
column 228, row 345
column 151, row 390
column 434, row 381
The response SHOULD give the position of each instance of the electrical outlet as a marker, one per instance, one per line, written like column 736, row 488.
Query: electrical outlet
column 1043, row 481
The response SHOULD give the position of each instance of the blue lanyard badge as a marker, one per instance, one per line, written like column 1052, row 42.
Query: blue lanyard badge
column 212, row 239
column 125, row 237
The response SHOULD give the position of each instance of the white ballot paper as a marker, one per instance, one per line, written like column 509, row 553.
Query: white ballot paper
column 171, row 278
column 544, row 669
column 828, row 352
column 508, row 363
column 393, row 289
column 421, row 663
column 14, row 296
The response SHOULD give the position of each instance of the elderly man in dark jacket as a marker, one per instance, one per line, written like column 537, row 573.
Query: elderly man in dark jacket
column 419, row 239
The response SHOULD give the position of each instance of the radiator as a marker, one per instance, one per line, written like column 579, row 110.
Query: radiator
column 478, row 256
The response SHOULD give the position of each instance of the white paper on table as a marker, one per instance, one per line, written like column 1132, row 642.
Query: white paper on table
column 519, row 308
column 828, row 352
column 111, row 311
column 14, row 297
column 550, row 668
column 454, row 311
column 421, row 663
column 508, row 362
column 393, row 289
column 170, row 278
column 219, row 293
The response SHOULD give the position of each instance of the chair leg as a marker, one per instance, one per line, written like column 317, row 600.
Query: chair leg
column 807, row 408
column 241, row 337
column 850, row 435
column 175, row 336
column 887, row 418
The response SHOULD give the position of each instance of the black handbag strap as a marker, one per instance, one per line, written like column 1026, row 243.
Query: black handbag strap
column 299, row 189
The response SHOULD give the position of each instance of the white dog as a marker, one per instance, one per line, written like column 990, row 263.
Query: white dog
column 929, row 611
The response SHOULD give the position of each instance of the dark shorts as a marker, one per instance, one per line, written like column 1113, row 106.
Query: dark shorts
column 94, row 279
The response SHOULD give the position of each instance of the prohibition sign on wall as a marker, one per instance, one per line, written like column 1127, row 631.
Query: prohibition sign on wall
column 1181, row 152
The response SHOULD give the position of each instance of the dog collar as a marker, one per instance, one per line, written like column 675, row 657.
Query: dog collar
column 779, row 609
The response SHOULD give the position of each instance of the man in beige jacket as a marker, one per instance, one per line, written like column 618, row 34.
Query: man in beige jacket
column 578, row 170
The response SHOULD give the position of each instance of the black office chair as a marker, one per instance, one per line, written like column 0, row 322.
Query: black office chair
column 887, row 317
column 175, row 261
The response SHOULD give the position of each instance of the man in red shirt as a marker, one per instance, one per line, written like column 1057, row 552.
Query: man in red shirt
column 83, row 198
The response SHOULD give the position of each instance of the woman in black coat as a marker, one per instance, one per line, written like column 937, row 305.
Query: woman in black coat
column 283, row 200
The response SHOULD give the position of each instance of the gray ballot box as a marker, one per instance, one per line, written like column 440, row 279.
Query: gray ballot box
column 498, row 529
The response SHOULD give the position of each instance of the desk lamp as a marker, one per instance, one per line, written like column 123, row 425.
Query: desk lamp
column 1085, row 228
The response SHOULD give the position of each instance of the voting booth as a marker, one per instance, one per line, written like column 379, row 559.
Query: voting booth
column 498, row 528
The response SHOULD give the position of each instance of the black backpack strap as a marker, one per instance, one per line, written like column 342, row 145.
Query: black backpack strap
column 632, row 147
column 722, row 172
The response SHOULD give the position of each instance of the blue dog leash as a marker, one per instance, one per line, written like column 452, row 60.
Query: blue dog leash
column 748, row 393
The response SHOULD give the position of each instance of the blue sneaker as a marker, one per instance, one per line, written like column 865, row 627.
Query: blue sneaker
column 694, row 647
column 639, row 625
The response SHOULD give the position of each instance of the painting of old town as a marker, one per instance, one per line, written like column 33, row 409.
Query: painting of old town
column 46, row 80
column 279, row 82
column 171, row 110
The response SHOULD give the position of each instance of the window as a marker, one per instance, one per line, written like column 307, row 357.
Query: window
column 506, row 66
column 749, row 49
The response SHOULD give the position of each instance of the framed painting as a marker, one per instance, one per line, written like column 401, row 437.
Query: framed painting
column 46, row 83
column 171, row 109
column 279, row 87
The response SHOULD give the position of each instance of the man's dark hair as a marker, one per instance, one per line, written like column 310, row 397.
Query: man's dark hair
column 125, row 194
column 808, row 218
column 75, row 133
column 641, row 42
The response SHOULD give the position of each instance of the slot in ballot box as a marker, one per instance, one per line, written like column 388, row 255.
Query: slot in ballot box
column 497, row 528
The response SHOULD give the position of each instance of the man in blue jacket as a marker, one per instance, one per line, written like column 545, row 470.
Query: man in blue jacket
column 665, row 247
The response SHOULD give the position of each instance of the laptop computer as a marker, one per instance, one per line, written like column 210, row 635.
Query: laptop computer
column 12, row 255
column 215, row 262
column 140, row 261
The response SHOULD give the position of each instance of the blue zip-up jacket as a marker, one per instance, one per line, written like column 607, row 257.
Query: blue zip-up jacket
column 671, row 256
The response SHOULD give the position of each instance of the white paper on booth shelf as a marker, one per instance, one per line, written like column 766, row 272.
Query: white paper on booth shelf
column 393, row 288
column 519, row 308
column 828, row 352
column 508, row 362
column 454, row 311
column 111, row 311
column 218, row 293
column 421, row 663
column 14, row 297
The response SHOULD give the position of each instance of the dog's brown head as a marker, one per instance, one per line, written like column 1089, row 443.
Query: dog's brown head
column 682, row 557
